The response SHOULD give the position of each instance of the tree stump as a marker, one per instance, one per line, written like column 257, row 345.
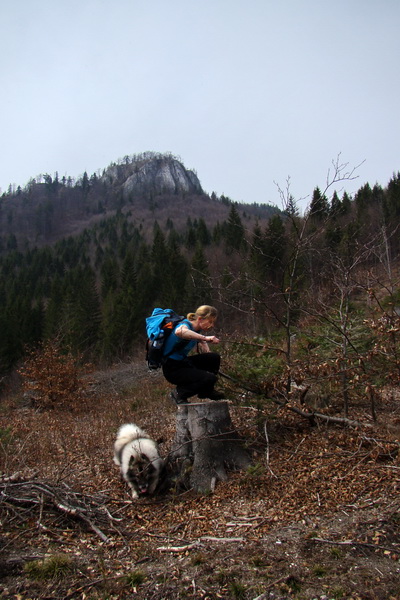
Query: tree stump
column 207, row 441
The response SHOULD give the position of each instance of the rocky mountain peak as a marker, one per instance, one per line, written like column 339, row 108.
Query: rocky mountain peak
column 158, row 173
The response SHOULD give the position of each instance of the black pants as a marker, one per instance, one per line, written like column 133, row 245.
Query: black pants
column 194, row 375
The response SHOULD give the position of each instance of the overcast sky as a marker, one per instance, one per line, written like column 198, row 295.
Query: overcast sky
column 246, row 92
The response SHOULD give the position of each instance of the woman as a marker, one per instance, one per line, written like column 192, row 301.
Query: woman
column 196, row 374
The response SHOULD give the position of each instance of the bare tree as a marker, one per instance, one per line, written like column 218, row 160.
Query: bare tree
column 302, row 244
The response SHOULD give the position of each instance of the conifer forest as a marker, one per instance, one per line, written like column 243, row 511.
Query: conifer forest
column 309, row 322
column 274, row 275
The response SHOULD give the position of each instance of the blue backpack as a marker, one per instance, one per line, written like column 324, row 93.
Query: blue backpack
column 159, row 327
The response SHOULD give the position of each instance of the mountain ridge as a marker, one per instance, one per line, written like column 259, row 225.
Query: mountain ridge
column 147, row 187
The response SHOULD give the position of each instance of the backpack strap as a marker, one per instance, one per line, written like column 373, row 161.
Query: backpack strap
column 179, row 344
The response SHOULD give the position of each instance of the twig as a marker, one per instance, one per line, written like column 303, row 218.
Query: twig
column 243, row 386
column 265, row 594
column 353, row 543
column 267, row 450
column 179, row 548
column 296, row 450
column 68, row 502
column 209, row 538
column 77, row 513
column 92, row 584
column 311, row 416
column 378, row 441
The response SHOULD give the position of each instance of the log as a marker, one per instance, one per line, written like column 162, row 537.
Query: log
column 206, row 437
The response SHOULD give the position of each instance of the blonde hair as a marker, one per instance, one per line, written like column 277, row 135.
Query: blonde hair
column 203, row 312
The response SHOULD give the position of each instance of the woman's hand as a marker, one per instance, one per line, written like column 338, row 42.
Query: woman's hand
column 202, row 346
column 211, row 339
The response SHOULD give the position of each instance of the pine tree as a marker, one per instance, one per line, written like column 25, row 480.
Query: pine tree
column 85, row 184
column 109, row 275
column 235, row 233
column 11, row 347
column 158, row 262
column 112, row 327
column 199, row 287
column 87, row 310
column 336, row 205
column 275, row 245
column 346, row 204
column 145, row 285
column 319, row 207
column 291, row 209
column 176, row 270
column 363, row 199
column 203, row 235
column 54, row 311
column 191, row 238
column 127, row 303
column 391, row 200
column 257, row 253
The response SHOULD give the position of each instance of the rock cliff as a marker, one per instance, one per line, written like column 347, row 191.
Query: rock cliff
column 154, row 173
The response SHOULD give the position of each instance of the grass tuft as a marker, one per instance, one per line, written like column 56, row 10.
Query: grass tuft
column 135, row 578
column 238, row 590
column 53, row 567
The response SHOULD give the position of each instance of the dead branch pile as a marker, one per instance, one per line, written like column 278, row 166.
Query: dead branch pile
column 25, row 500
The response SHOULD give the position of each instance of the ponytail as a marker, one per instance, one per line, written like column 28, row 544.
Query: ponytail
column 203, row 312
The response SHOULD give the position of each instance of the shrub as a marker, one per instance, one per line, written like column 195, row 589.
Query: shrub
column 53, row 377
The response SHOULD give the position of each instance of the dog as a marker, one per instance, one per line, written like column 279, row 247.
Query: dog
column 137, row 456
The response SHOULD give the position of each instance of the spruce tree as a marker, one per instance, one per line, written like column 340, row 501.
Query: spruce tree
column 109, row 275
column 257, row 253
column 199, row 287
column 203, row 235
column 235, row 233
column 87, row 315
column 319, row 207
column 274, row 246
column 176, row 270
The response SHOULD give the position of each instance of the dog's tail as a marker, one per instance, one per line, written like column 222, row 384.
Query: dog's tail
column 127, row 433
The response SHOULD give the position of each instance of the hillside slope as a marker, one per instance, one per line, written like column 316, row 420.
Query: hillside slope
column 317, row 516
column 149, row 187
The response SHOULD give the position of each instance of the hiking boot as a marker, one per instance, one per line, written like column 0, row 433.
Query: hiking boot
column 175, row 397
column 214, row 395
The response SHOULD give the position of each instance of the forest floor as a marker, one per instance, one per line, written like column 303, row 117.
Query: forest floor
column 316, row 517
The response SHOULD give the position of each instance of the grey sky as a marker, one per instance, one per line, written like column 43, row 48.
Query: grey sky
column 246, row 92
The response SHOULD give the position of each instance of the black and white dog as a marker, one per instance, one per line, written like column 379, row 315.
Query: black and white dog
column 137, row 456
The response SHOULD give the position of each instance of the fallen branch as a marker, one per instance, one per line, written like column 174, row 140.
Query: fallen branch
column 353, row 543
column 38, row 494
column 209, row 538
column 80, row 515
column 179, row 548
column 311, row 416
column 10, row 566
column 267, row 450
column 242, row 385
